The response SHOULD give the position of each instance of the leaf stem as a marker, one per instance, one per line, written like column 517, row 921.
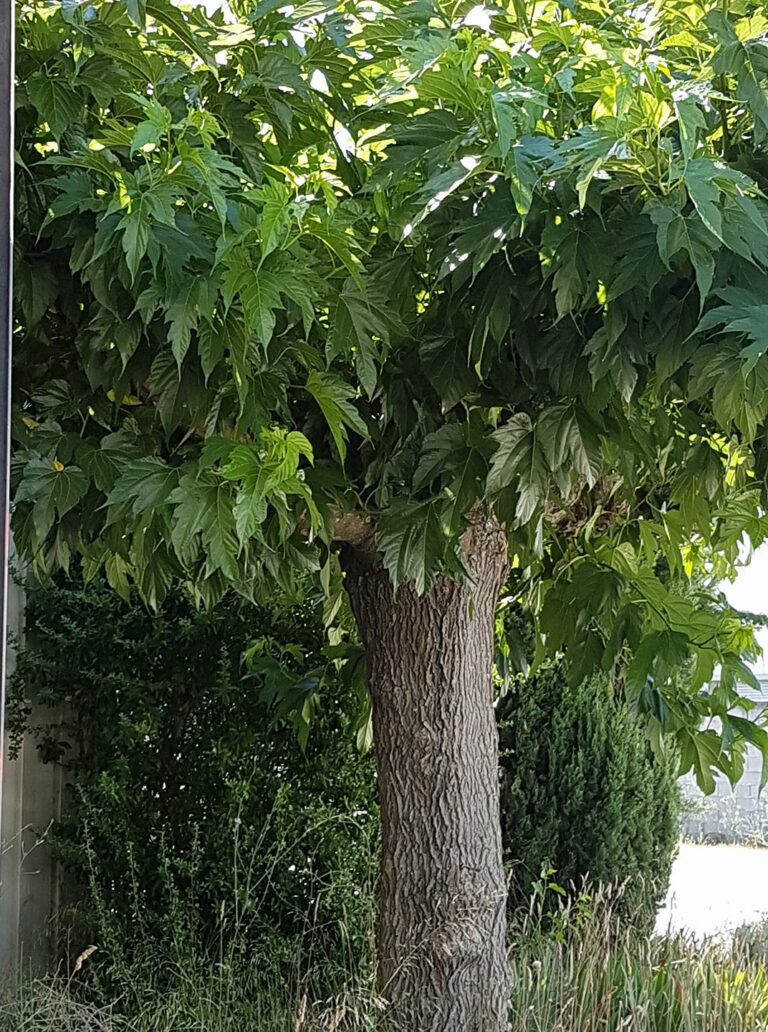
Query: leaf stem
column 722, row 104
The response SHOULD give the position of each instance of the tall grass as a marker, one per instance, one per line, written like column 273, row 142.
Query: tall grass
column 220, row 1002
column 238, row 996
column 585, row 974
column 594, row 975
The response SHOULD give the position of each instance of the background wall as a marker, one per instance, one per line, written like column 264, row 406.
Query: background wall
column 731, row 814
column 738, row 815
column 29, row 885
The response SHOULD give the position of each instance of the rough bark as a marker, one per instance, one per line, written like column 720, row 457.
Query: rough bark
column 442, row 929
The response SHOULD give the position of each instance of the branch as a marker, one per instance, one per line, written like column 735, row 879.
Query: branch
column 354, row 528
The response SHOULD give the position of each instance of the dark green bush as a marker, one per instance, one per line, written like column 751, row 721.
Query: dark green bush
column 582, row 794
column 195, row 816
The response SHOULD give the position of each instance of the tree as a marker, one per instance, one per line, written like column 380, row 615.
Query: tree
column 397, row 293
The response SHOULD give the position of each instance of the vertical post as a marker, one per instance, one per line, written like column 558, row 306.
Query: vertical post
column 6, row 304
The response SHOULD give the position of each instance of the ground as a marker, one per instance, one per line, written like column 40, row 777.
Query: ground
column 714, row 889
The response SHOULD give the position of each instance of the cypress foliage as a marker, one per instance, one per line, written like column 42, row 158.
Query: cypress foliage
column 582, row 793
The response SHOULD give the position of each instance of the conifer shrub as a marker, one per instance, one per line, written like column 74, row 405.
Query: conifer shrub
column 583, row 796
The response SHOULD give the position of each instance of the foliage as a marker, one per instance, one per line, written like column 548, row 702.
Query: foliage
column 203, row 996
column 604, row 978
column 196, row 820
column 386, row 260
column 608, row 977
column 582, row 794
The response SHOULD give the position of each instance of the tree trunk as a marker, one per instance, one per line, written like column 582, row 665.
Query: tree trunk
column 442, row 926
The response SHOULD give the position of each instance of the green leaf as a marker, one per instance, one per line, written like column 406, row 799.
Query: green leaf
column 156, row 126
column 745, row 231
column 194, row 507
column 574, row 261
column 36, row 286
column 412, row 544
column 174, row 22
column 701, row 183
column 267, row 473
column 182, row 316
column 145, row 484
column 511, row 445
column 249, row 511
column 756, row 736
column 445, row 363
column 519, row 463
column 135, row 241
column 275, row 215
column 735, row 58
column 57, row 103
column 567, row 443
column 464, row 489
column 202, row 518
column 146, row 134
column 105, row 464
column 259, row 293
column 439, row 187
column 690, row 121
column 363, row 319
column 676, row 341
column 216, row 171
column 214, row 338
column 342, row 244
column 522, row 174
column 505, row 117
column 118, row 571
column 333, row 397
column 439, row 454
column 700, row 751
column 167, row 384
column 675, row 233
column 137, row 12
column 742, row 316
column 52, row 488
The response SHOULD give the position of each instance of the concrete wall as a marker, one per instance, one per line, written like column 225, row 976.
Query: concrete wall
column 731, row 814
column 31, row 795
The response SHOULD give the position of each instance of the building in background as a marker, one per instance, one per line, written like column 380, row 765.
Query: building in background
column 738, row 814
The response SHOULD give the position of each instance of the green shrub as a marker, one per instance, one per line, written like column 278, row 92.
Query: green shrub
column 582, row 794
column 196, row 821
column 199, row 827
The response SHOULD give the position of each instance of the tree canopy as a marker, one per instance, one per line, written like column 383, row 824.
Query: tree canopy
column 285, row 271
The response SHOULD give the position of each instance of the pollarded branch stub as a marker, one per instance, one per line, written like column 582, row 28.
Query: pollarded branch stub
column 356, row 534
column 599, row 506
column 359, row 529
column 483, row 544
column 351, row 528
column 354, row 528
column 485, row 538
